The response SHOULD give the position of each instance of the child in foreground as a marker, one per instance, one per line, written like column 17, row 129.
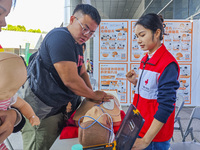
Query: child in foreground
column 12, row 76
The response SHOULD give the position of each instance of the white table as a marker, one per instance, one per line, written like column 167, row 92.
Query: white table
column 64, row 144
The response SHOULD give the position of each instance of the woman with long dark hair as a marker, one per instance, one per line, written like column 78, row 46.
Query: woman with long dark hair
column 155, row 94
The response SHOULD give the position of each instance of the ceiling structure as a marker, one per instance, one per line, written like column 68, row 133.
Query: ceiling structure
column 127, row 9
column 116, row 9
column 133, row 9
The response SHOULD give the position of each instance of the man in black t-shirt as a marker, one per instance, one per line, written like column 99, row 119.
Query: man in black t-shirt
column 62, row 53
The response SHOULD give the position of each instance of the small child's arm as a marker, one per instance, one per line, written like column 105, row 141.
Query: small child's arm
column 27, row 111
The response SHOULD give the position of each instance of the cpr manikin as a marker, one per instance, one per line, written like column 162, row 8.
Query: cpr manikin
column 96, row 121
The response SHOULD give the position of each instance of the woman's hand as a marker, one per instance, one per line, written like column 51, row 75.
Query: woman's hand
column 8, row 119
column 140, row 144
column 131, row 77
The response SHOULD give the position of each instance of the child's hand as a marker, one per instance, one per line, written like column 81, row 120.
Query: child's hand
column 34, row 120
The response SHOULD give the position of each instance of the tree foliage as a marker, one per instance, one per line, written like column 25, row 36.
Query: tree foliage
column 20, row 28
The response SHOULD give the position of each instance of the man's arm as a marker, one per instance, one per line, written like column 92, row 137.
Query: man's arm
column 68, row 73
column 84, row 75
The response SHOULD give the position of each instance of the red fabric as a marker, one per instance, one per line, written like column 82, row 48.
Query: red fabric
column 116, row 128
column 70, row 121
column 71, row 130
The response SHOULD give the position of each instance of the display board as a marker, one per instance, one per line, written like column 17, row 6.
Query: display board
column 113, row 43
column 179, row 43
column 112, row 78
column 118, row 52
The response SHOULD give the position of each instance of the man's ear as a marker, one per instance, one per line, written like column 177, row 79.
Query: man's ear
column 72, row 19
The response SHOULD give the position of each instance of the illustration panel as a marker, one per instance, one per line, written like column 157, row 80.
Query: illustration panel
column 113, row 41
column 112, row 78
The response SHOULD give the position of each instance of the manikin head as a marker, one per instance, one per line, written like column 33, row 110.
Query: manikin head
column 13, row 74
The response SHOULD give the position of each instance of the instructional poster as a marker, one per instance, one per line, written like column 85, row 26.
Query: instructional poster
column 112, row 78
column 185, row 83
column 119, row 52
column 135, row 67
column 113, row 43
column 178, row 39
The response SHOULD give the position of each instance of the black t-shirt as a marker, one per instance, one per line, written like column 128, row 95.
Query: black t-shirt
column 59, row 45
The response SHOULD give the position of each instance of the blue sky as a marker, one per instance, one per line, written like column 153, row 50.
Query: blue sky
column 37, row 14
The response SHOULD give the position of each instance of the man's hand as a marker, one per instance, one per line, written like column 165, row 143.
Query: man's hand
column 102, row 96
column 131, row 77
column 8, row 119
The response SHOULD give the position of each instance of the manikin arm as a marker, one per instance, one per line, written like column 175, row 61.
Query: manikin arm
column 27, row 111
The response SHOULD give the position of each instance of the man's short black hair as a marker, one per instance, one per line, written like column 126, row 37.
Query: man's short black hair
column 87, row 9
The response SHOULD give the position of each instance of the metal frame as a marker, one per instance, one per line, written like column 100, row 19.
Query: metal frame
column 177, row 122
column 193, row 145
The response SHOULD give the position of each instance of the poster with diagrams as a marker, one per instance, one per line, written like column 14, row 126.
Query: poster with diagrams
column 184, row 91
column 112, row 78
column 178, row 39
column 119, row 52
column 113, row 44
column 135, row 67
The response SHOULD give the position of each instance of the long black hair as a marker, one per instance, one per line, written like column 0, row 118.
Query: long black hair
column 152, row 22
